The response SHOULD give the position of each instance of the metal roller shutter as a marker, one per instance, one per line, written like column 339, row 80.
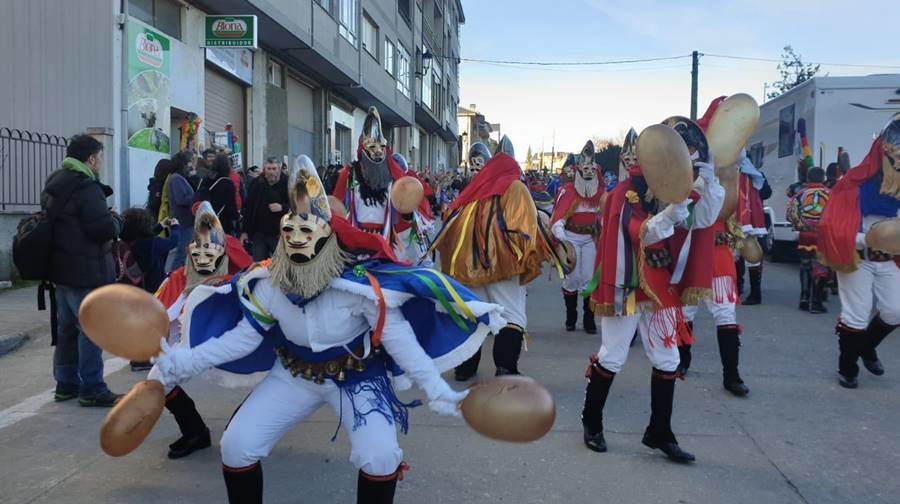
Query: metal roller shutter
column 224, row 103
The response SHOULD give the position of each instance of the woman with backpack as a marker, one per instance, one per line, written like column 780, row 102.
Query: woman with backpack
column 218, row 189
column 179, row 195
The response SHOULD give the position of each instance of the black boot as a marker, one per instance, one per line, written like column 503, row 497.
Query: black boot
column 194, row 433
column 594, row 400
column 739, row 266
column 659, row 434
column 590, row 325
column 377, row 489
column 875, row 334
column 849, row 341
column 467, row 369
column 684, row 354
column 817, row 296
column 571, row 299
column 244, row 484
column 805, row 281
column 755, row 296
column 729, row 351
column 507, row 347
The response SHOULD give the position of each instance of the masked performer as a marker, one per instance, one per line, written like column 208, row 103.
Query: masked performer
column 213, row 257
column 867, row 278
column 804, row 212
column 641, row 274
column 364, row 187
column 338, row 329
column 628, row 154
column 492, row 243
column 754, row 188
column 576, row 220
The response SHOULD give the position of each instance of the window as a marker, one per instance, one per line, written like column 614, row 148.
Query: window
column 325, row 4
column 403, row 8
column 436, row 90
column 370, row 36
column 348, row 20
column 403, row 70
column 275, row 73
column 389, row 56
column 164, row 15
column 426, row 85
column 786, row 131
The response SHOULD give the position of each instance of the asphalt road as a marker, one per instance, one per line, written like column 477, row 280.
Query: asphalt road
column 798, row 437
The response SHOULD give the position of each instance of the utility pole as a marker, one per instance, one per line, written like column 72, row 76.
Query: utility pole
column 553, row 151
column 696, row 61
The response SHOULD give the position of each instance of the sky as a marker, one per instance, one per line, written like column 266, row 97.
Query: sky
column 535, row 104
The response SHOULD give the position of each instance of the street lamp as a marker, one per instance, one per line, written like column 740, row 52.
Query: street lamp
column 427, row 57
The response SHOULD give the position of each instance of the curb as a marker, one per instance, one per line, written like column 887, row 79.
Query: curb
column 9, row 344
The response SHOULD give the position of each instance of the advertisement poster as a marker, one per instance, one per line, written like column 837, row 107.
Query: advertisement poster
column 148, row 88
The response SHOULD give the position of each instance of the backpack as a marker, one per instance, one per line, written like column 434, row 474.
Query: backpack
column 128, row 271
column 32, row 246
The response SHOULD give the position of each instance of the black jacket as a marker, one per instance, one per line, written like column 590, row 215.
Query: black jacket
column 220, row 194
column 257, row 216
column 83, row 232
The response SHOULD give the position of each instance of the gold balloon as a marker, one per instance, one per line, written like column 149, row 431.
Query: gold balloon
column 729, row 178
column 406, row 194
column 731, row 126
column 750, row 250
column 885, row 236
column 130, row 421
column 337, row 206
column 666, row 163
column 124, row 320
column 515, row 409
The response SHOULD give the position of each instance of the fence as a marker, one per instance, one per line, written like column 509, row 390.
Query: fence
column 26, row 159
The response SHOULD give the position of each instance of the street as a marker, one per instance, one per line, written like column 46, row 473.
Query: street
column 798, row 437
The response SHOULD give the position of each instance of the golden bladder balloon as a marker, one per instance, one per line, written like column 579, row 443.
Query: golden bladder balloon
column 515, row 409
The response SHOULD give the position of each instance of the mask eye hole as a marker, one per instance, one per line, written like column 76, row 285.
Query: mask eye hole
column 306, row 229
column 287, row 229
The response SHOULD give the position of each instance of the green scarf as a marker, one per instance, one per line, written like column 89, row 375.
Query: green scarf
column 79, row 167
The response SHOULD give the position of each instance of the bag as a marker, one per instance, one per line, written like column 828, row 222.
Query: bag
column 33, row 243
column 128, row 270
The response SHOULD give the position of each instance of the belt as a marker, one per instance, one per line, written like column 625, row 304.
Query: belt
column 335, row 368
column 874, row 255
column 658, row 258
column 585, row 229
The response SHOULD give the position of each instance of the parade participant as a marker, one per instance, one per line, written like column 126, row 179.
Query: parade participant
column 364, row 188
column 567, row 173
column 867, row 278
column 639, row 288
column 628, row 154
column 492, row 243
column 804, row 212
column 576, row 220
column 339, row 328
column 213, row 257
column 754, row 188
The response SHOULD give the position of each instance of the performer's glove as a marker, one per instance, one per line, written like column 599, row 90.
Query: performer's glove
column 707, row 171
column 175, row 365
column 677, row 212
column 443, row 400
column 861, row 241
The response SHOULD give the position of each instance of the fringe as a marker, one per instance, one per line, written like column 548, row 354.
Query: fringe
column 693, row 295
column 725, row 290
column 384, row 403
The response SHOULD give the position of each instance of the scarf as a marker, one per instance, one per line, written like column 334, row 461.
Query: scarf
column 77, row 166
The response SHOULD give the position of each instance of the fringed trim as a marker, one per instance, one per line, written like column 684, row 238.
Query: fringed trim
column 641, row 264
column 609, row 309
column 693, row 295
column 384, row 402
column 843, row 268
column 725, row 290
column 670, row 324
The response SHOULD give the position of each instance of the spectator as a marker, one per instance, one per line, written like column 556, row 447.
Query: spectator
column 180, row 195
column 267, row 202
column 220, row 194
column 82, row 260
column 155, row 186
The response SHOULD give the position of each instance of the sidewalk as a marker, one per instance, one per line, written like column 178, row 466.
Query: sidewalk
column 20, row 319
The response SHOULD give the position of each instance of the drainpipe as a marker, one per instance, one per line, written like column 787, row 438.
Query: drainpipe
column 124, row 176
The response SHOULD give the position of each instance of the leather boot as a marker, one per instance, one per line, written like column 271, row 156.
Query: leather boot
column 849, row 344
column 739, row 266
column 659, row 434
column 875, row 334
column 507, row 347
column 244, row 484
column 729, row 352
column 805, row 281
column 817, row 296
column 468, row 368
column 377, row 489
column 684, row 354
column 571, row 299
column 590, row 325
column 755, row 296
column 600, row 380
column 194, row 433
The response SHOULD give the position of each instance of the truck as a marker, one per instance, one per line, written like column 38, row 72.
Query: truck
column 840, row 113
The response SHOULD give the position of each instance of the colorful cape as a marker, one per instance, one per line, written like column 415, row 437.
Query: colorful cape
column 449, row 322
column 568, row 201
column 493, row 180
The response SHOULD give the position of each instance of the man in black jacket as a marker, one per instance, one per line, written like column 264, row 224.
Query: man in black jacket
column 82, row 260
column 267, row 201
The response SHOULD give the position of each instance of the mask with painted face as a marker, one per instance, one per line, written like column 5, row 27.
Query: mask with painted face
column 372, row 154
column 628, row 155
column 586, row 181
column 207, row 249
column 479, row 155
column 890, row 162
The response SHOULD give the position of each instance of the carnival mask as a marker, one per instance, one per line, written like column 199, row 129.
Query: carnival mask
column 303, row 236
column 372, row 141
column 610, row 179
column 205, row 253
column 585, row 166
column 479, row 155
column 692, row 135
column 890, row 162
column 628, row 155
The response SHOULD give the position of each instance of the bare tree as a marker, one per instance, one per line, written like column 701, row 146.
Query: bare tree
column 793, row 72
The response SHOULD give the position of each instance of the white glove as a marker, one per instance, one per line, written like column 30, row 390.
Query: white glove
column 861, row 241
column 443, row 400
column 707, row 171
column 677, row 213
column 559, row 230
column 175, row 365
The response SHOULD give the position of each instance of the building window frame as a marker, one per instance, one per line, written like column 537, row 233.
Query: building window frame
column 348, row 21
column 403, row 70
column 389, row 57
column 275, row 73
column 405, row 14
column 370, row 33
column 173, row 30
column 786, row 131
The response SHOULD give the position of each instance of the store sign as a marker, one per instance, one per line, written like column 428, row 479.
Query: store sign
column 236, row 61
column 149, row 93
column 231, row 31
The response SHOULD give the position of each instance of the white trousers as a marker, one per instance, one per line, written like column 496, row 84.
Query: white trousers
column 508, row 294
column 618, row 331
column 873, row 284
column 585, row 252
column 280, row 401
column 723, row 313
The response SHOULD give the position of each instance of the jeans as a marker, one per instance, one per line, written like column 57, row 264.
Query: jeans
column 263, row 246
column 76, row 359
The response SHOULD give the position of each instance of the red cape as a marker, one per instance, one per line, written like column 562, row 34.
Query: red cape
column 174, row 285
column 842, row 218
column 354, row 239
column 493, row 180
column 568, row 201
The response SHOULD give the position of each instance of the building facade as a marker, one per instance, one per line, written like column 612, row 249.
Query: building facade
column 318, row 66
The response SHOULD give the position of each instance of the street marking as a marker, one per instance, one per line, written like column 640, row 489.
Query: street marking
column 31, row 406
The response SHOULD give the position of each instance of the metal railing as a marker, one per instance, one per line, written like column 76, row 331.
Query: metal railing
column 26, row 159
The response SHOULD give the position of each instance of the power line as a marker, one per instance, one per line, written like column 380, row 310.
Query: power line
column 773, row 60
column 566, row 63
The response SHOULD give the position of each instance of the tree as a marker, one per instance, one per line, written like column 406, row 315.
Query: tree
column 793, row 72
column 608, row 156
column 528, row 161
